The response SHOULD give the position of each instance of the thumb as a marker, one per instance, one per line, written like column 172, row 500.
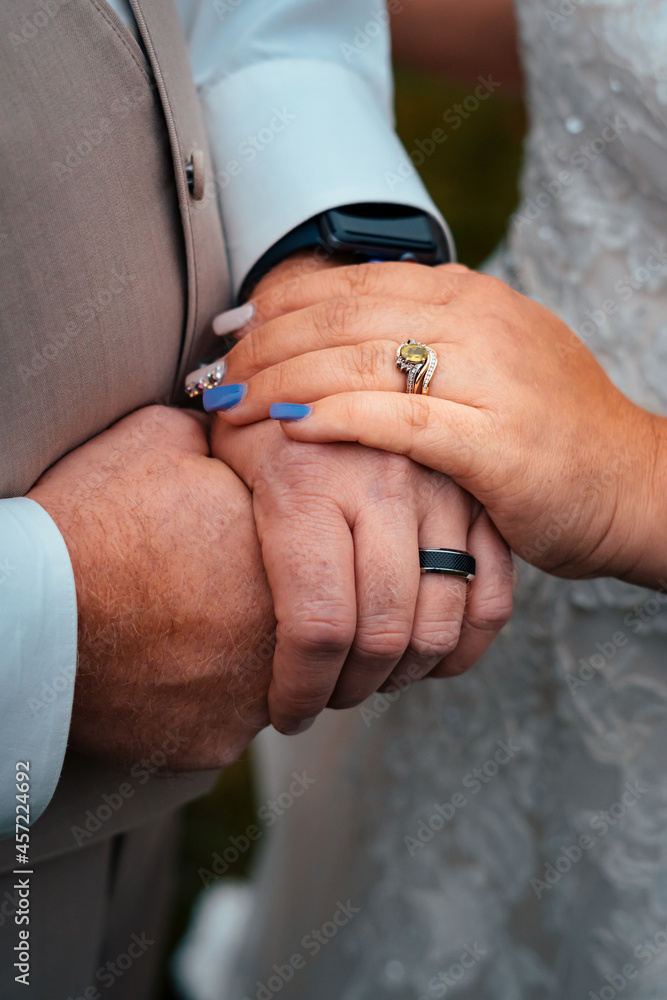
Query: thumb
column 438, row 433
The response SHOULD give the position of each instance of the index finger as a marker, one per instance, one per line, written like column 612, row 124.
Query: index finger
column 404, row 280
column 309, row 562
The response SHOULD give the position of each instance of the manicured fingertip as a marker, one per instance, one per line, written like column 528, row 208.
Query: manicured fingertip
column 223, row 397
column 233, row 319
column 289, row 411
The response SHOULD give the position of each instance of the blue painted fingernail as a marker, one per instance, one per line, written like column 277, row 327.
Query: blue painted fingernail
column 223, row 397
column 288, row 411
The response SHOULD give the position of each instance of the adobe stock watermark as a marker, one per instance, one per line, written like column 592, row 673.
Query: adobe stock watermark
column 85, row 311
column 312, row 943
column 580, row 161
column 247, row 152
column 51, row 690
column 440, row 985
column 33, row 24
column 133, row 437
column 376, row 26
column 94, row 136
column 382, row 700
column 474, row 782
column 566, row 9
column 644, row 613
column 606, row 651
column 562, row 523
column 141, row 772
column 625, row 288
column 268, row 813
column 601, row 823
column 7, row 569
column 616, row 982
column 224, row 7
column 454, row 118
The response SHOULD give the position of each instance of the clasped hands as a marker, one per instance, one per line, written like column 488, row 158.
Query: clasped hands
column 527, row 438
column 340, row 526
column 176, row 598
column 520, row 414
column 184, row 544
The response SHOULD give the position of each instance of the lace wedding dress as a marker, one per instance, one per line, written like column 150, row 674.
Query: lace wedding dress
column 503, row 836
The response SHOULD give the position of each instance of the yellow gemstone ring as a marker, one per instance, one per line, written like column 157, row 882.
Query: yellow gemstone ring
column 418, row 362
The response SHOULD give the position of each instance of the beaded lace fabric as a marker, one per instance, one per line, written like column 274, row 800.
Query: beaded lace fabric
column 565, row 719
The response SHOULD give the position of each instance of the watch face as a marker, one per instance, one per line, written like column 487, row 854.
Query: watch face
column 385, row 232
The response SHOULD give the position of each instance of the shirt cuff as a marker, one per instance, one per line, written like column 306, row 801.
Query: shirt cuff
column 291, row 138
column 38, row 638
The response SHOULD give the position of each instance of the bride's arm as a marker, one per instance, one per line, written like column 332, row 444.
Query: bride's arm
column 458, row 39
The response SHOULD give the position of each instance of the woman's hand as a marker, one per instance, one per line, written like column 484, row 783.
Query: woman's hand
column 520, row 413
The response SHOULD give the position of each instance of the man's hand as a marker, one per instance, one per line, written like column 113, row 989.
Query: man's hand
column 176, row 628
column 340, row 526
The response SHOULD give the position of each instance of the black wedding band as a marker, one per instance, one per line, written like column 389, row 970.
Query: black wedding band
column 451, row 562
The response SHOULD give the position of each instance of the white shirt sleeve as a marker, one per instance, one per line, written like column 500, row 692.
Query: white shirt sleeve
column 297, row 97
column 38, row 641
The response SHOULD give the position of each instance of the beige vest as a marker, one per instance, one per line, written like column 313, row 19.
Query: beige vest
column 110, row 268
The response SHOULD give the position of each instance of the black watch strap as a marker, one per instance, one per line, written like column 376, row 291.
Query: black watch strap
column 364, row 232
column 304, row 236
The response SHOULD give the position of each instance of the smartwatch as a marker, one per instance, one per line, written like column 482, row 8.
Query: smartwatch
column 363, row 232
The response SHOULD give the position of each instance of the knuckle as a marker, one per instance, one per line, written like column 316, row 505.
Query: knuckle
column 393, row 467
column 286, row 377
column 437, row 640
column 246, row 356
column 382, row 645
column 493, row 614
column 322, row 635
column 336, row 316
column 155, row 425
column 495, row 290
column 359, row 280
column 369, row 360
column 156, row 416
column 155, row 411
column 419, row 414
column 297, row 483
column 273, row 301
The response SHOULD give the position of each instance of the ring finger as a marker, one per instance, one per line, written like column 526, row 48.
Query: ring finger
column 367, row 367
column 335, row 323
column 442, row 598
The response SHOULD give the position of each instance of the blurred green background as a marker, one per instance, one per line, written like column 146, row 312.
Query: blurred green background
column 472, row 177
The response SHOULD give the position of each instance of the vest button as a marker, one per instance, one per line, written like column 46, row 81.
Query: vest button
column 194, row 171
